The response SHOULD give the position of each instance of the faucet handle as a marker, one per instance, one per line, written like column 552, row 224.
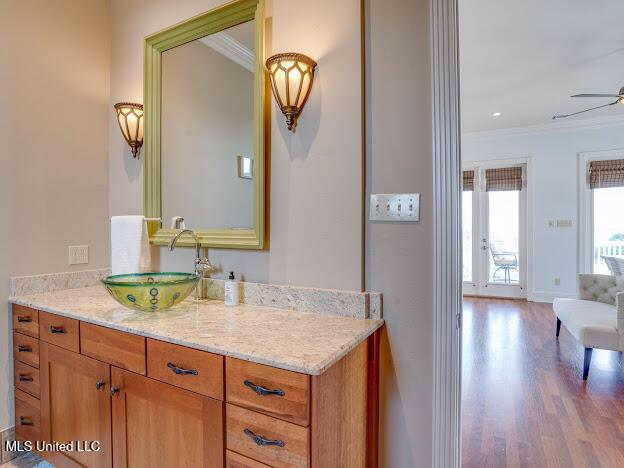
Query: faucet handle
column 203, row 265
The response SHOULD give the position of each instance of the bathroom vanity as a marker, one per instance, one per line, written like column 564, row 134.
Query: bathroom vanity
column 199, row 385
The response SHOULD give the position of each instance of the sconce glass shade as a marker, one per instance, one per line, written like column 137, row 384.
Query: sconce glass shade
column 291, row 75
column 130, row 119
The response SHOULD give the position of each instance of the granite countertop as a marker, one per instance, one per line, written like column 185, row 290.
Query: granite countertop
column 309, row 343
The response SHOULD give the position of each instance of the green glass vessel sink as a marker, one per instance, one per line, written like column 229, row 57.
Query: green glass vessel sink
column 151, row 292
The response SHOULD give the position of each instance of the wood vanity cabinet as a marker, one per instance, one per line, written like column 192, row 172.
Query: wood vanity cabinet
column 156, row 424
column 154, row 404
column 75, row 403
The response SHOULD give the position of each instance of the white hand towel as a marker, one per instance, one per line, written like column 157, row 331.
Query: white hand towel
column 130, row 250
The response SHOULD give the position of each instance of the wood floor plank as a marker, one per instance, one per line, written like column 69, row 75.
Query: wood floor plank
column 524, row 402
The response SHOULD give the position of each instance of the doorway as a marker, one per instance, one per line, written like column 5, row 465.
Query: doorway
column 494, row 232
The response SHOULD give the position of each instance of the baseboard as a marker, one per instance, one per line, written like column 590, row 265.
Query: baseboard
column 546, row 296
column 6, row 436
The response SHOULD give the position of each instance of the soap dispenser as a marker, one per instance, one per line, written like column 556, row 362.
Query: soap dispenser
column 231, row 291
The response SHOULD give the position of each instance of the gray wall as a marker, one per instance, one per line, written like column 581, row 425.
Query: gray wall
column 54, row 110
column 399, row 258
column 316, row 178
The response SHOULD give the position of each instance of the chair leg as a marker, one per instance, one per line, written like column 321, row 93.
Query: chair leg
column 586, row 362
column 558, row 326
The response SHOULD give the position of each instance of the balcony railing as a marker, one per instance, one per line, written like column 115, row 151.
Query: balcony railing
column 606, row 249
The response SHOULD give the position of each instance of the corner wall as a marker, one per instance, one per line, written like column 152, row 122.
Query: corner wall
column 399, row 256
column 54, row 70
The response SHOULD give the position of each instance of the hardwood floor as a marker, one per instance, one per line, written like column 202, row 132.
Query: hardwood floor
column 524, row 402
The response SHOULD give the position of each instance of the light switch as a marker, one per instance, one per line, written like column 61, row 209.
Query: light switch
column 563, row 223
column 78, row 254
column 395, row 207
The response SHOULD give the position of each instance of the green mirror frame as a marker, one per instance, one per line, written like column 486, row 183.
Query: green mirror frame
column 218, row 19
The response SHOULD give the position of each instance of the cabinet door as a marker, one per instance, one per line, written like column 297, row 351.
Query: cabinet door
column 73, row 406
column 157, row 424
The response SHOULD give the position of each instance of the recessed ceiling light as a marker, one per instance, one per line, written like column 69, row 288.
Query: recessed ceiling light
column 496, row 114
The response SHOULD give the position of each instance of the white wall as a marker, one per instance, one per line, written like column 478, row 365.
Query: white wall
column 555, row 191
column 315, row 234
column 54, row 108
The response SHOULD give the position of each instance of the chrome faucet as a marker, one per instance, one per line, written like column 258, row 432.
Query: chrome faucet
column 202, row 264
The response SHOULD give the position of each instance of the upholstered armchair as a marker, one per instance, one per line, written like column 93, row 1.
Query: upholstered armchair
column 596, row 318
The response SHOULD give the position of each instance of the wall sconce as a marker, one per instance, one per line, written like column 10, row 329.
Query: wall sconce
column 292, row 75
column 130, row 119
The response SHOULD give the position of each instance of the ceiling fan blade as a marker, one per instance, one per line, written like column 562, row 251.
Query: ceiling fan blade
column 563, row 116
column 597, row 95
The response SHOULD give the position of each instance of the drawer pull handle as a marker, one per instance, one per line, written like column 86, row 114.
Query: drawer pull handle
column 24, row 349
column 259, row 440
column 25, row 378
column 100, row 385
column 54, row 329
column 22, row 319
column 178, row 370
column 263, row 391
column 26, row 421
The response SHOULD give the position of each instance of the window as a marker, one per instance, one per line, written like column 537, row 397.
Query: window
column 601, row 209
column 467, row 235
column 608, row 226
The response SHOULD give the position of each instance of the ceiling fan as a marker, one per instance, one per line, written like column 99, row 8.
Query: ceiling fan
column 619, row 96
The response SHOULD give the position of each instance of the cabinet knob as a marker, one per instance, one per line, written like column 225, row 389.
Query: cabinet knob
column 263, row 391
column 54, row 329
column 23, row 319
column 180, row 371
column 259, row 440
column 100, row 385
column 114, row 391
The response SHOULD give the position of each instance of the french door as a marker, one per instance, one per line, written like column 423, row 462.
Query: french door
column 494, row 230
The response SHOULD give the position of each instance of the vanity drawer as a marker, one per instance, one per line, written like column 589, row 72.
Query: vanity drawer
column 59, row 331
column 236, row 460
column 25, row 320
column 27, row 417
column 243, row 425
column 26, row 349
column 26, row 378
column 195, row 370
column 289, row 396
column 115, row 347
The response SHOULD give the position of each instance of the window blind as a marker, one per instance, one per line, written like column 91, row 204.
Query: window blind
column 503, row 178
column 468, row 181
column 608, row 173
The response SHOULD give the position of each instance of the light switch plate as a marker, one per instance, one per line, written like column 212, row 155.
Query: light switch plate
column 395, row 207
column 78, row 254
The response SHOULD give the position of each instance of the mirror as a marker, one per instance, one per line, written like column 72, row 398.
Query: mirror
column 204, row 133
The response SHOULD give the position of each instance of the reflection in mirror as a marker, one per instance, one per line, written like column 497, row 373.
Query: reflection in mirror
column 207, row 130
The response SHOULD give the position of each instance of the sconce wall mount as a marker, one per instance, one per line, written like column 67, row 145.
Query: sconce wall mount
column 130, row 120
column 292, row 75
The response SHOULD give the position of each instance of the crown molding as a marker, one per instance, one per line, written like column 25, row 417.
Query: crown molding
column 552, row 127
column 229, row 47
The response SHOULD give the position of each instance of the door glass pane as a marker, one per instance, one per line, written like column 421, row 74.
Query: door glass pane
column 608, row 226
column 503, row 237
column 467, row 235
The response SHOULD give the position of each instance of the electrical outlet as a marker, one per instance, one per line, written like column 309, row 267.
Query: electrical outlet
column 78, row 254
column 395, row 207
column 557, row 281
